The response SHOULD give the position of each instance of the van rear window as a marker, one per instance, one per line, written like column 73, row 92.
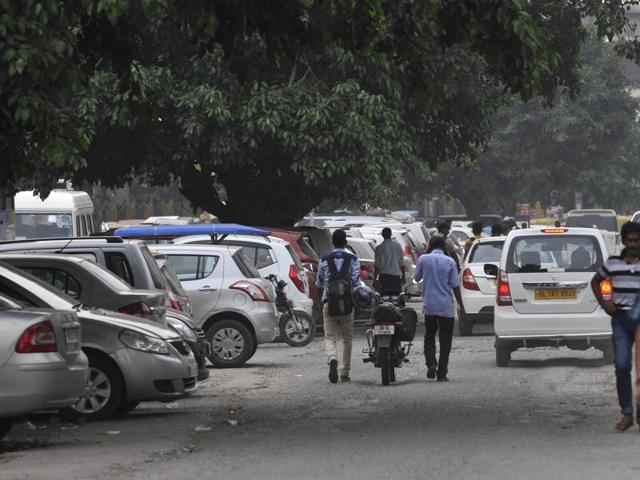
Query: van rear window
column 554, row 253
column 601, row 222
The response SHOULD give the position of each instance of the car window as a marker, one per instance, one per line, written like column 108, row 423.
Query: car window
column 59, row 279
column 192, row 267
column 601, row 222
column 246, row 266
column 263, row 258
column 173, row 281
column 486, row 252
column 29, row 225
column 117, row 263
column 459, row 237
column 554, row 253
column 154, row 270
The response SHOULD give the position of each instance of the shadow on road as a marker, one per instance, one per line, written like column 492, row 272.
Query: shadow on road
column 558, row 362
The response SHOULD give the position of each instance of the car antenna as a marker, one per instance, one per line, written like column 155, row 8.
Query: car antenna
column 66, row 245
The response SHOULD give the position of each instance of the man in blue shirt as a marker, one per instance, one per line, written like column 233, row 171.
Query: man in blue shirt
column 335, row 325
column 439, row 276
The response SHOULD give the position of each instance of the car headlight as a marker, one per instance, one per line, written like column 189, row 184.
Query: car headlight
column 185, row 332
column 144, row 343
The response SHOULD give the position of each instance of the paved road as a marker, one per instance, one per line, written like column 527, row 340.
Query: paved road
column 549, row 415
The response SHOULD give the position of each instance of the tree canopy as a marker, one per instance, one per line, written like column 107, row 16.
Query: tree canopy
column 262, row 109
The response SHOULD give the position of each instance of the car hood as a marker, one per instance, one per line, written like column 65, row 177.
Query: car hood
column 159, row 329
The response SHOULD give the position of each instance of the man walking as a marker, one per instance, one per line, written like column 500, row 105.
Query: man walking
column 476, row 228
column 624, row 273
column 389, row 264
column 443, row 230
column 440, row 278
column 338, row 274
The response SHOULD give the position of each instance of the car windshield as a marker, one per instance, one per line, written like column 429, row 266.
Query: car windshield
column 39, row 225
column 486, row 252
column 601, row 222
column 554, row 253
column 245, row 266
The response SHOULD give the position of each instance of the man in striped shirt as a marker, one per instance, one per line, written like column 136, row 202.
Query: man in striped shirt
column 624, row 274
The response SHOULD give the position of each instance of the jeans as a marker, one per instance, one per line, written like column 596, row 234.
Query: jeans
column 341, row 325
column 445, row 325
column 623, row 337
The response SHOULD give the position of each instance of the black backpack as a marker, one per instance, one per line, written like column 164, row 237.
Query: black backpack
column 339, row 286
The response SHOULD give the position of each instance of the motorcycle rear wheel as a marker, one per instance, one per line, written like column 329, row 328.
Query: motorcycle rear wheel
column 385, row 365
column 289, row 334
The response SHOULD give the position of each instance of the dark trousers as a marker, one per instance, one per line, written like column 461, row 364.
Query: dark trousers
column 390, row 283
column 623, row 336
column 445, row 326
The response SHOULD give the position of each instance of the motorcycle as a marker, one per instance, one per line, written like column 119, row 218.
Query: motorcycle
column 296, row 327
column 392, row 329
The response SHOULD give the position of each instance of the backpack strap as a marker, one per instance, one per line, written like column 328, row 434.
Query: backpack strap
column 346, row 265
column 331, row 263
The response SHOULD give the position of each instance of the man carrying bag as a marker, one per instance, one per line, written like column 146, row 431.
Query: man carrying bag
column 338, row 275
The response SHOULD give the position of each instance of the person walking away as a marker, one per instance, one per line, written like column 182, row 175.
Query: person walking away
column 476, row 228
column 624, row 273
column 451, row 251
column 441, row 283
column 338, row 275
column 389, row 264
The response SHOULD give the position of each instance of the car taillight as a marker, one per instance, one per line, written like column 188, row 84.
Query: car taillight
column 294, row 275
column 174, row 302
column 139, row 309
column 407, row 251
column 504, row 290
column 256, row 293
column 38, row 338
column 606, row 289
column 366, row 272
column 469, row 281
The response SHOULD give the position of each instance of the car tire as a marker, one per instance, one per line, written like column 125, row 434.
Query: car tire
column 231, row 344
column 503, row 356
column 465, row 327
column 5, row 427
column 104, row 392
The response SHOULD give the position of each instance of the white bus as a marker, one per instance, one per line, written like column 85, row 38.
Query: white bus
column 63, row 214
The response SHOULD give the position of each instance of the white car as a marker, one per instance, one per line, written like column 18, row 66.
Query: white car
column 478, row 290
column 544, row 296
column 231, row 302
column 271, row 256
column 604, row 220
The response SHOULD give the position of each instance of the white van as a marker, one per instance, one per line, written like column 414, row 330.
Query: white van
column 63, row 214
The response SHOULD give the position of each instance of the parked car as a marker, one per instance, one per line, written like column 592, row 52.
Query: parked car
column 178, row 296
column 131, row 260
column 231, row 302
column 270, row 256
column 544, row 296
column 478, row 289
column 41, row 363
column 604, row 220
column 364, row 250
column 130, row 359
column 194, row 336
column 318, row 238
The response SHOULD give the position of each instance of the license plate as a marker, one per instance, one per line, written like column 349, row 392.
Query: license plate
column 556, row 294
column 384, row 329
column 72, row 336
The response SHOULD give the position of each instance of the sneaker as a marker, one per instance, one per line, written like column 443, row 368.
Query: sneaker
column 333, row 371
column 345, row 378
column 442, row 378
column 431, row 372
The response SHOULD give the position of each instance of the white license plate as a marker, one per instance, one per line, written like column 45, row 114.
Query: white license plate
column 72, row 336
column 384, row 329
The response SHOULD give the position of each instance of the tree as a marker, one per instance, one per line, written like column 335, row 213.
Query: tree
column 328, row 99
column 587, row 144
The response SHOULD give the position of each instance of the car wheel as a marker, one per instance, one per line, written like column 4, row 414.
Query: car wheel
column 5, row 427
column 231, row 344
column 103, row 392
column 464, row 326
column 503, row 356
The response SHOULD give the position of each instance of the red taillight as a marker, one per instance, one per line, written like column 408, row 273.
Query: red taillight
column 606, row 289
column 366, row 272
column 504, row 290
column 38, row 338
column 407, row 251
column 469, row 281
column 294, row 275
column 140, row 309
column 256, row 293
column 174, row 302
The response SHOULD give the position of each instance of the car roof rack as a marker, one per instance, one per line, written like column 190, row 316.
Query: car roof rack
column 65, row 239
column 216, row 231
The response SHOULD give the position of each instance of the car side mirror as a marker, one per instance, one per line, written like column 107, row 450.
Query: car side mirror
column 491, row 270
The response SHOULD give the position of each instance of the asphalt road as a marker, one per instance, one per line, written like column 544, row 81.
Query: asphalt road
column 549, row 415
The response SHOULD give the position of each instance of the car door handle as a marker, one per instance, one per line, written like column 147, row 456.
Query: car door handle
column 207, row 288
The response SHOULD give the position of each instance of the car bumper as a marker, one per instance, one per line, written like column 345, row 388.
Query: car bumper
column 40, row 381
column 475, row 302
column 485, row 315
column 265, row 322
column 509, row 325
column 150, row 377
